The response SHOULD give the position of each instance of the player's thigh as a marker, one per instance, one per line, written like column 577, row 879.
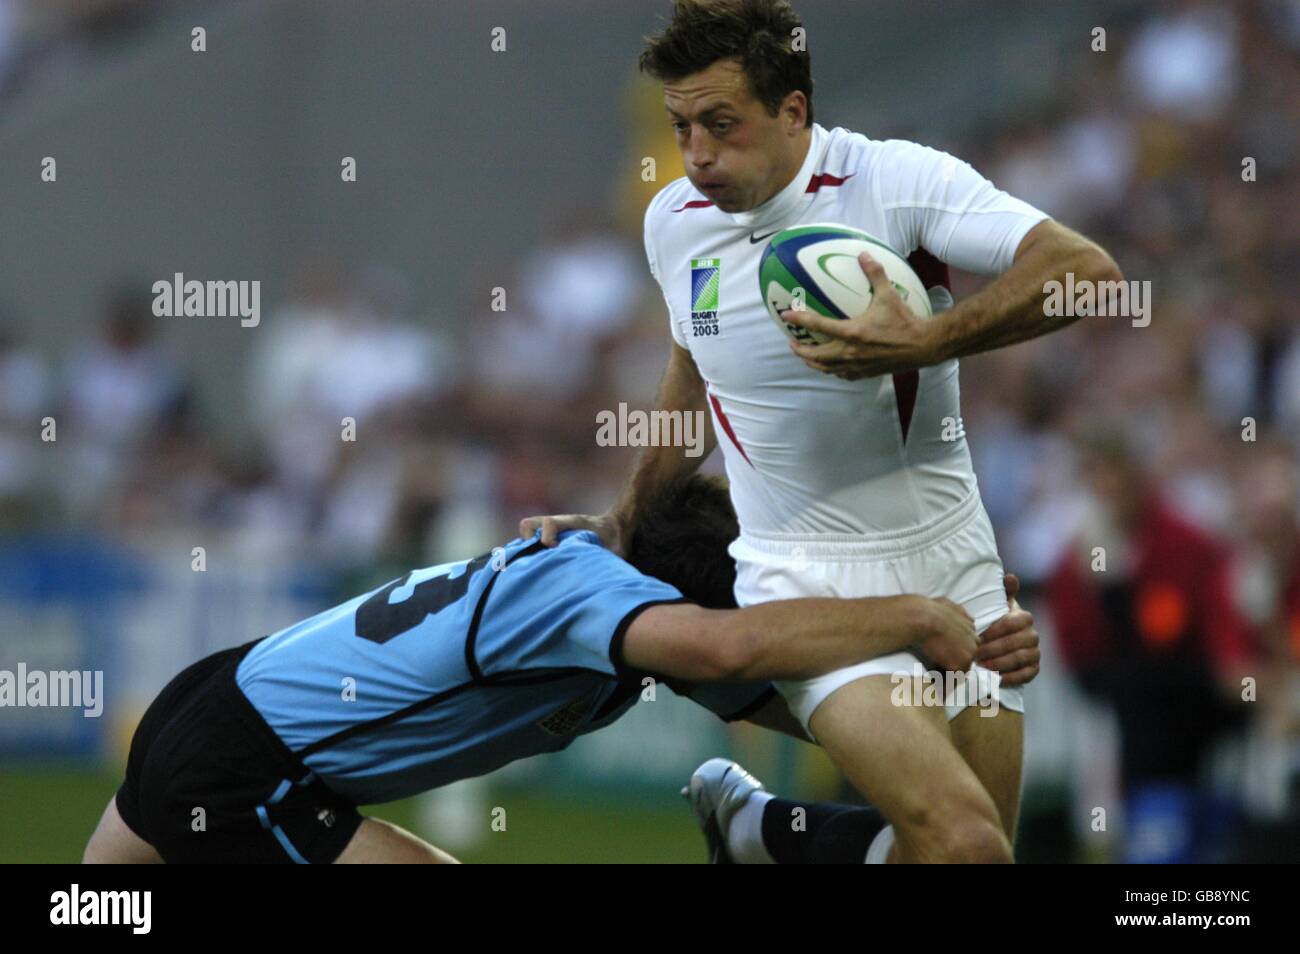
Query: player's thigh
column 993, row 746
column 114, row 843
column 902, row 759
column 380, row 842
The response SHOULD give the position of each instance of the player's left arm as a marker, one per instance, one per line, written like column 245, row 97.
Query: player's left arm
column 934, row 201
column 887, row 338
column 1010, row 309
column 794, row 638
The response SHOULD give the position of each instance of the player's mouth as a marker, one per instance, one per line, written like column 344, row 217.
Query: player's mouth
column 712, row 189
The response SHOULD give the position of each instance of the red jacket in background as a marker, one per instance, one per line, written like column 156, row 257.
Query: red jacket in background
column 1181, row 598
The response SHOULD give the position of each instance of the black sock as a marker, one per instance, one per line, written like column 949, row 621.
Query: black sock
column 824, row 834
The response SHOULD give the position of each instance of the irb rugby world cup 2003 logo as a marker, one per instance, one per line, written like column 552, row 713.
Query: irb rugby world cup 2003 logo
column 706, row 275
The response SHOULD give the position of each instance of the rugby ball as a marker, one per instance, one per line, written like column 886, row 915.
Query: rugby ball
column 817, row 266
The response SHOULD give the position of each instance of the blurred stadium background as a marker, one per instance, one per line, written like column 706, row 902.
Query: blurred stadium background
column 521, row 170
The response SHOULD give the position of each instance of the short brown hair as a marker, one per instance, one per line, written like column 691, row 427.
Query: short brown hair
column 682, row 538
column 759, row 33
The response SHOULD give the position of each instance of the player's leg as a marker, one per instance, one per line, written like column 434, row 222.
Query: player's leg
column 993, row 746
column 114, row 843
column 902, row 759
column 743, row 823
column 380, row 842
column 965, row 567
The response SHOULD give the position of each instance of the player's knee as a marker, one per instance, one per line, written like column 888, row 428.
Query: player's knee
column 976, row 841
column 957, row 831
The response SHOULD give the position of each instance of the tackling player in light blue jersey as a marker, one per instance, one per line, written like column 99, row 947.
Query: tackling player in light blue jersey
column 452, row 671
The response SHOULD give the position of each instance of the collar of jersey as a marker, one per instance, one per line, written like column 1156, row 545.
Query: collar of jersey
column 779, row 207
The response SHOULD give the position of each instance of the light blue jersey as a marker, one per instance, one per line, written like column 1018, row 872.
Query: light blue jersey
column 455, row 670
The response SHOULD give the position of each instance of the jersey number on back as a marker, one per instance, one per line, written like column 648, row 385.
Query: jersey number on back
column 379, row 621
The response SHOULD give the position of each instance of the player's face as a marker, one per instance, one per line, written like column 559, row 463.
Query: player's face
column 734, row 151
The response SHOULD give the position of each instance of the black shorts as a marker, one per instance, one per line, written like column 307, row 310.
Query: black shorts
column 209, row 782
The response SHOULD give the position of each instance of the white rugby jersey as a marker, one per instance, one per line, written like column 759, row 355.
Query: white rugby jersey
column 807, row 452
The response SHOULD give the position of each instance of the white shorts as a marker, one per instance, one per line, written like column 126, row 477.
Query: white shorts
column 955, row 556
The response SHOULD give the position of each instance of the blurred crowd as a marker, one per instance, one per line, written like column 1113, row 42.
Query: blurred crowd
column 375, row 433
column 1169, row 453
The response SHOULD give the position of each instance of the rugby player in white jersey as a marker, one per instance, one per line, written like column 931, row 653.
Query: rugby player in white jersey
column 848, row 466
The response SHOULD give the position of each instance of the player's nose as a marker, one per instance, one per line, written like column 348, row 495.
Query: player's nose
column 700, row 164
column 696, row 155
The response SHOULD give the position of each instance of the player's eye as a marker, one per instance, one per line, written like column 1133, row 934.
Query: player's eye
column 723, row 127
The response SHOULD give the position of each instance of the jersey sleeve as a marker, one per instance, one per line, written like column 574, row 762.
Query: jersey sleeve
column 565, row 607
column 604, row 594
column 935, row 201
column 653, row 261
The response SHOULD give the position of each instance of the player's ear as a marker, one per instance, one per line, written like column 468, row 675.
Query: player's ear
column 794, row 111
